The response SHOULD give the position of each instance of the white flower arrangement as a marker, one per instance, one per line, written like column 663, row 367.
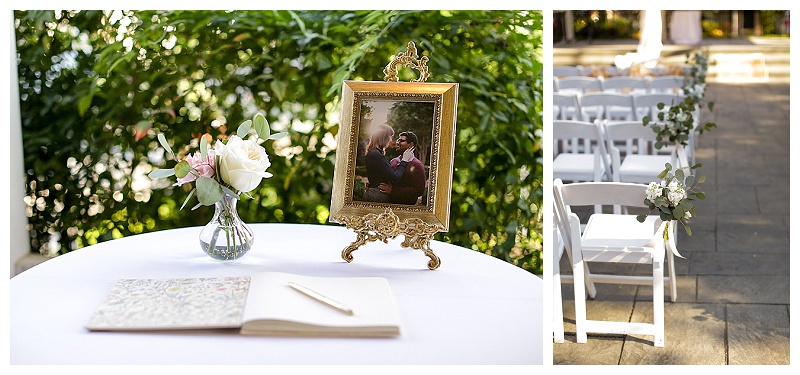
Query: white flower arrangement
column 672, row 197
column 232, row 167
column 675, row 124
column 694, row 82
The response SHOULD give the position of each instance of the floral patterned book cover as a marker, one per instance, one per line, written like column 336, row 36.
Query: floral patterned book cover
column 188, row 303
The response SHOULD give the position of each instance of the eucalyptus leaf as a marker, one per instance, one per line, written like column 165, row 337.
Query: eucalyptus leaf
column 700, row 195
column 678, row 212
column 208, row 191
column 159, row 173
column 261, row 126
column 641, row 218
column 163, row 141
column 204, row 147
column 689, row 181
column 191, row 194
column 243, row 129
column 679, row 174
column 182, row 169
column 278, row 135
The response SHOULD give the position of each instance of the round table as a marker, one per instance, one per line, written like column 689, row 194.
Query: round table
column 473, row 309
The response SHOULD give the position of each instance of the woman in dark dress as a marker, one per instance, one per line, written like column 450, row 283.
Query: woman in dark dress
column 378, row 168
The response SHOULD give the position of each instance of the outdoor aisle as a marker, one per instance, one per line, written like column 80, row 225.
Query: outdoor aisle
column 733, row 286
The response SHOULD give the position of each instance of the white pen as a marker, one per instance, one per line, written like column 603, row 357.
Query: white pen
column 319, row 297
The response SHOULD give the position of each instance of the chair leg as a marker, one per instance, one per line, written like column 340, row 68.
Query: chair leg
column 580, row 299
column 558, row 309
column 658, row 302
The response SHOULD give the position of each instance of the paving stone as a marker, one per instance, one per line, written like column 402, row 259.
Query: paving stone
column 596, row 351
column 752, row 234
column 693, row 334
column 743, row 289
column 741, row 198
column 773, row 199
column 687, row 291
column 758, row 334
column 738, row 264
column 700, row 241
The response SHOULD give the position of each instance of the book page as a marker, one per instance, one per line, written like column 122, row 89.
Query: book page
column 157, row 304
column 272, row 305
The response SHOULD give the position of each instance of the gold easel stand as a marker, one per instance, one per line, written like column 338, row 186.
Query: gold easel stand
column 385, row 226
column 407, row 58
column 374, row 227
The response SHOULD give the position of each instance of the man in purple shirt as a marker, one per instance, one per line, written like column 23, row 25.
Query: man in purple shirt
column 411, row 186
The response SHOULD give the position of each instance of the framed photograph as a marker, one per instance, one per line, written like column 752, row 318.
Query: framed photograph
column 395, row 150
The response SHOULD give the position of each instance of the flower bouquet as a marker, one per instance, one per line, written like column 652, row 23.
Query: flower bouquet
column 673, row 198
column 233, row 166
column 694, row 78
column 674, row 126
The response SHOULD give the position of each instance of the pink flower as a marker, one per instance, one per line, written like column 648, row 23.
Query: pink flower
column 204, row 168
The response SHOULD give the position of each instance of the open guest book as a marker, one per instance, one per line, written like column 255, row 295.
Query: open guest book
column 269, row 303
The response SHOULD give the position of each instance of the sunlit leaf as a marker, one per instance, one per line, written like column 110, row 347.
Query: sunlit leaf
column 279, row 89
column 141, row 128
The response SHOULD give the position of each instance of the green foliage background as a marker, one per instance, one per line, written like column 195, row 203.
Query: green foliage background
column 90, row 80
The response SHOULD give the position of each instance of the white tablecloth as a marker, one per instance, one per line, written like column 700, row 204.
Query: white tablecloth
column 473, row 309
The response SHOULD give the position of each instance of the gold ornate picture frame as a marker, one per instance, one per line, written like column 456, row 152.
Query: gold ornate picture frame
column 366, row 105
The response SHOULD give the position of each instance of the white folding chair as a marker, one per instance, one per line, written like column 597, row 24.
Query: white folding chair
column 567, row 71
column 579, row 151
column 615, row 237
column 627, row 85
column 667, row 84
column 608, row 106
column 647, row 104
column 566, row 107
column 571, row 85
column 633, row 155
column 557, row 251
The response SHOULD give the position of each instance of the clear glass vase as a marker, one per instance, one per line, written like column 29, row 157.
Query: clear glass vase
column 226, row 236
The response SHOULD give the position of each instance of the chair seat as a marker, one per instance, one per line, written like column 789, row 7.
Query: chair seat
column 629, row 239
column 574, row 167
column 642, row 168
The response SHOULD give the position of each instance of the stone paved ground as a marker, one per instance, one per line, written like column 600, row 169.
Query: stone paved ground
column 733, row 286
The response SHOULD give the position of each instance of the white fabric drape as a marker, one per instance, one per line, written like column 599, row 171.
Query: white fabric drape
column 649, row 50
column 685, row 27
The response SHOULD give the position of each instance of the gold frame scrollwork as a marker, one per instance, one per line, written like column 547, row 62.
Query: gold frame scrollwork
column 372, row 221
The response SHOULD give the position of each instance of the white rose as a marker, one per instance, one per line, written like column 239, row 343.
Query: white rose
column 243, row 163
